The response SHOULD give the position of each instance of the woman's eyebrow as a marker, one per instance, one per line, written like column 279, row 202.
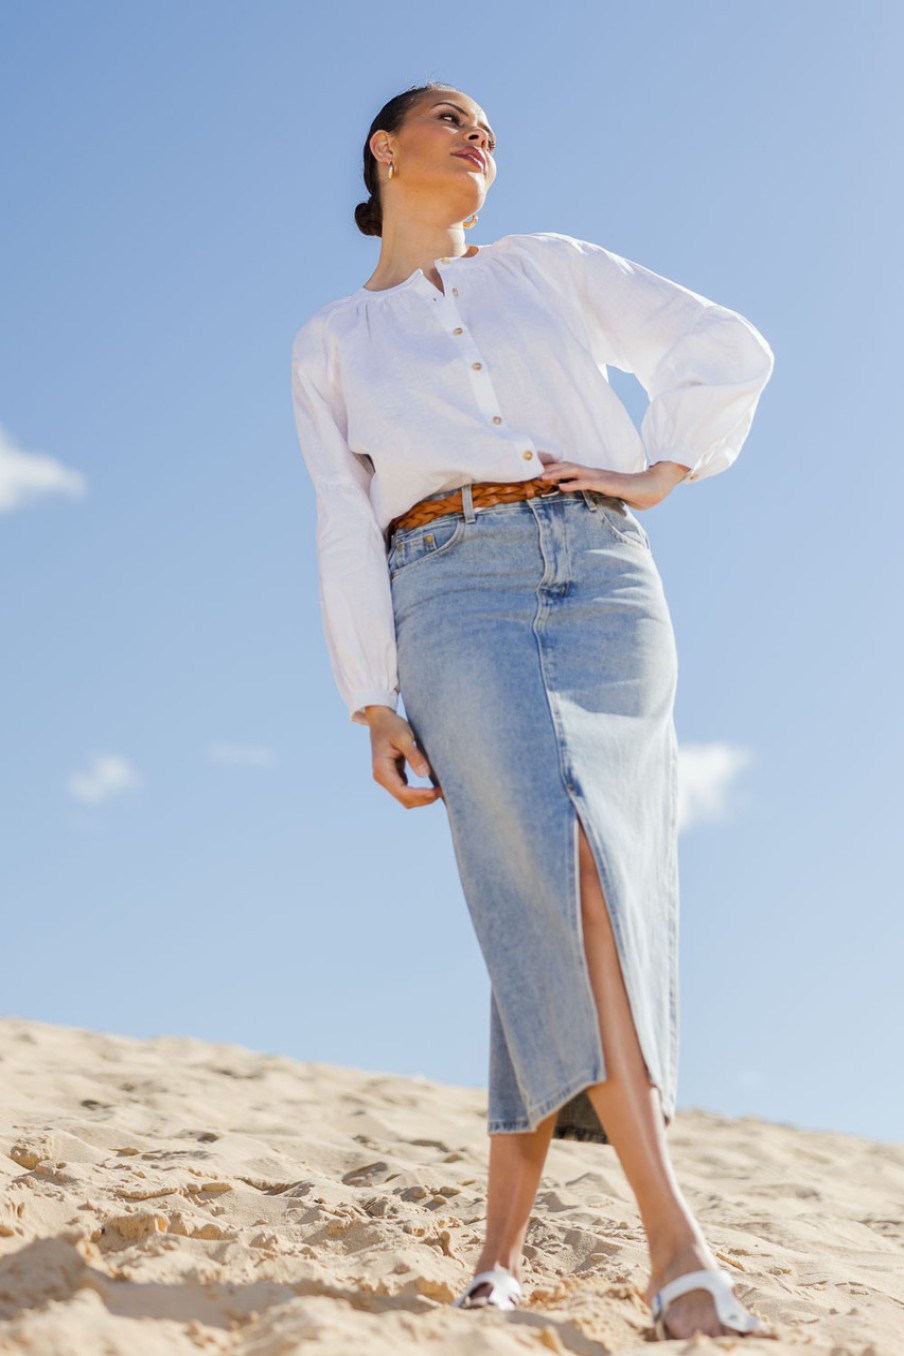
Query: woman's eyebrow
column 465, row 111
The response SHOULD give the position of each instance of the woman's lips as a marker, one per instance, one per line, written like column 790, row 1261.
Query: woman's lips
column 473, row 156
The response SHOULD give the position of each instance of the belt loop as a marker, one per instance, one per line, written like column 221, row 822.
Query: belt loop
column 467, row 503
column 589, row 500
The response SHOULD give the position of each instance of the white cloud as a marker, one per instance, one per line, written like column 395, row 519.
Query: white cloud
column 28, row 475
column 108, row 775
column 245, row 755
column 705, row 775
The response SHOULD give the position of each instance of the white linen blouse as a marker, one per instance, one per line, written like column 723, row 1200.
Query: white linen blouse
column 409, row 391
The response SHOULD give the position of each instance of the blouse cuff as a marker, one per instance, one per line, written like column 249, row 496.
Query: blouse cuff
column 370, row 697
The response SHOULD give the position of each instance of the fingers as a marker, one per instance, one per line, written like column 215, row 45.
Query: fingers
column 389, row 757
column 638, row 489
column 569, row 476
column 388, row 774
column 407, row 746
column 555, row 470
column 572, row 472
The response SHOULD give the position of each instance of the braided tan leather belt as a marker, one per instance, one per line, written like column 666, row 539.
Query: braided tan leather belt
column 484, row 494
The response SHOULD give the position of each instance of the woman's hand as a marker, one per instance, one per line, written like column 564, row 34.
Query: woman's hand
column 639, row 489
column 392, row 741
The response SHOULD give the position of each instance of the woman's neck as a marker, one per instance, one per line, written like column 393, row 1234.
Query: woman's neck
column 399, row 258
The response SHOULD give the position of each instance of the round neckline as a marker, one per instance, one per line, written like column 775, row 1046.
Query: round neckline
column 479, row 251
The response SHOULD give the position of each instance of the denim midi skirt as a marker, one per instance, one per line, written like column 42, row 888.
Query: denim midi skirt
column 538, row 670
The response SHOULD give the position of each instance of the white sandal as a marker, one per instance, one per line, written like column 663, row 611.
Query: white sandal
column 731, row 1311
column 505, row 1291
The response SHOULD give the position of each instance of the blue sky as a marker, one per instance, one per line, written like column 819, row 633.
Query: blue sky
column 192, row 842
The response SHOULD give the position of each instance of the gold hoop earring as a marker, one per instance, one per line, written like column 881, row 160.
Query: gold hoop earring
column 471, row 221
column 389, row 175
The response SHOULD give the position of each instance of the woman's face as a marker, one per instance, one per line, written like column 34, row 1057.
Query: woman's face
column 429, row 146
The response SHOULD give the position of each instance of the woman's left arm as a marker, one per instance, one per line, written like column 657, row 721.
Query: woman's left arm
column 702, row 366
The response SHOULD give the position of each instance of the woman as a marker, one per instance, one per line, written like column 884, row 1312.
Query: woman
column 478, row 553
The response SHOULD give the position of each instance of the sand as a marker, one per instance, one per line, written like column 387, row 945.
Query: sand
column 171, row 1196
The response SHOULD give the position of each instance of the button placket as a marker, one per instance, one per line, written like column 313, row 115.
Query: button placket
column 481, row 380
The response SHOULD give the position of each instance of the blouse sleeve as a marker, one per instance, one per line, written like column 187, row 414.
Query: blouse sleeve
column 355, row 596
column 702, row 366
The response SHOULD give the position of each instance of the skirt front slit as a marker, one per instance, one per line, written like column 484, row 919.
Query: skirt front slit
column 538, row 670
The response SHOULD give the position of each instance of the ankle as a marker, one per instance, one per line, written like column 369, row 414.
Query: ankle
column 676, row 1249
column 500, row 1257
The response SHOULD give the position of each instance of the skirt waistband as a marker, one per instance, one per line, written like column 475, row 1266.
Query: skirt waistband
column 483, row 494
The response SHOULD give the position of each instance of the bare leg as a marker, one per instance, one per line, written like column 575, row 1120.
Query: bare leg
column 629, row 1107
column 516, row 1162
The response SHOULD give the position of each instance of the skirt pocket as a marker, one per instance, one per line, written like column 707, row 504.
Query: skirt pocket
column 417, row 544
column 622, row 523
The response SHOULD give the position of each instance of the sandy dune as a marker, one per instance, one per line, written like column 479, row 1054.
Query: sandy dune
column 170, row 1196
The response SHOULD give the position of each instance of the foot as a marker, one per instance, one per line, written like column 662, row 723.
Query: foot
column 500, row 1290
column 694, row 1311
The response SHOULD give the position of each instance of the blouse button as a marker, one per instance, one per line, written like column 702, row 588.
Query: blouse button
column 497, row 419
column 477, row 366
column 458, row 330
column 444, row 260
column 455, row 291
column 527, row 455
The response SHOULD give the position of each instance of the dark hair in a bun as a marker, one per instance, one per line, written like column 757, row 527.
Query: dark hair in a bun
column 369, row 215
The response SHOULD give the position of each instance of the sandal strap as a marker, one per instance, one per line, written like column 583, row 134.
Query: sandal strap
column 732, row 1313
column 500, row 1281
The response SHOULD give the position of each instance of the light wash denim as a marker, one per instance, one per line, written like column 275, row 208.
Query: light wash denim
column 538, row 669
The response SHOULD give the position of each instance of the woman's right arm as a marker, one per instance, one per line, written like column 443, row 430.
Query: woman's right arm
column 355, row 595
